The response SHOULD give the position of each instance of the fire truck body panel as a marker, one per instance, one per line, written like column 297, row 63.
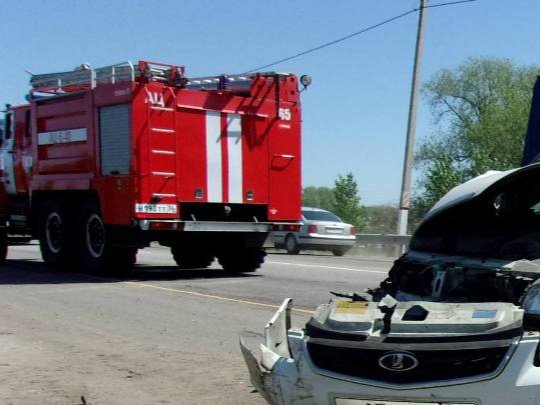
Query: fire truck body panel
column 151, row 150
column 191, row 147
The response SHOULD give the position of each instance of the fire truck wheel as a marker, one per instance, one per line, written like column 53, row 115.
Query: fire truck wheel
column 292, row 246
column 122, row 259
column 192, row 259
column 3, row 246
column 245, row 260
column 54, row 234
column 92, row 239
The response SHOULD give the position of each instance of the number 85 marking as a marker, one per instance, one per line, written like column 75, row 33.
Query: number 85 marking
column 284, row 114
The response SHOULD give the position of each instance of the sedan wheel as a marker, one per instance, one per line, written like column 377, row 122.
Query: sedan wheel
column 339, row 252
column 292, row 246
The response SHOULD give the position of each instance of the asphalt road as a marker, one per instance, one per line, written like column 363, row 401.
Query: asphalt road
column 159, row 336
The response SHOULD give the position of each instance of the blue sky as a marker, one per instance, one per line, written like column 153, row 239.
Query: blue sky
column 355, row 111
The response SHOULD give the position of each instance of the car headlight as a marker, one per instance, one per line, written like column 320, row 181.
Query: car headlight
column 530, row 302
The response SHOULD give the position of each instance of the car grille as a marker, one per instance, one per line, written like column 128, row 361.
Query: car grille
column 433, row 365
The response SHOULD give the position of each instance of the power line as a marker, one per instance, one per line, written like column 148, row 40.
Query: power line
column 354, row 34
column 450, row 3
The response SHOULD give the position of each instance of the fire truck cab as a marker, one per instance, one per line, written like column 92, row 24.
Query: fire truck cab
column 101, row 162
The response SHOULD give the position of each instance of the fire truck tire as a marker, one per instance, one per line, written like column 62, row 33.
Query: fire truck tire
column 92, row 239
column 245, row 260
column 55, row 238
column 292, row 245
column 192, row 259
column 122, row 259
column 96, row 254
column 3, row 246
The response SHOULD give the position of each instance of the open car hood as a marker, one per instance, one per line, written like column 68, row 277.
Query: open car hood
column 495, row 215
column 475, row 187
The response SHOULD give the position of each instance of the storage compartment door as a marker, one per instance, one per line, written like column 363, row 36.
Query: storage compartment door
column 115, row 139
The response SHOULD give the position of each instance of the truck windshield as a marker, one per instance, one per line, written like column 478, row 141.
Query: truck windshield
column 321, row 216
column 7, row 127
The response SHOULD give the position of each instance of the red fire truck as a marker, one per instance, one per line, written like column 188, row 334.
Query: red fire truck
column 103, row 161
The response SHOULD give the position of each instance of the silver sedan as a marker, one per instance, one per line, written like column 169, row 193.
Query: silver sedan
column 320, row 230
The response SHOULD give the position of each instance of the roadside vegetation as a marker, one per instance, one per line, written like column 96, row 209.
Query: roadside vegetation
column 343, row 199
column 480, row 111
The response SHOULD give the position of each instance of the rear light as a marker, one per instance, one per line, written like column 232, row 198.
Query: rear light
column 166, row 226
column 286, row 227
column 353, row 231
column 312, row 228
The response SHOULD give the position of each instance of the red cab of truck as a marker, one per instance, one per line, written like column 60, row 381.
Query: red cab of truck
column 103, row 161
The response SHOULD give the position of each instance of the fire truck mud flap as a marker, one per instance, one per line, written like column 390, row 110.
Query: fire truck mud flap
column 274, row 373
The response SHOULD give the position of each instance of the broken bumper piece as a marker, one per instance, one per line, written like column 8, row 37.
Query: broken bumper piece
column 282, row 372
column 274, row 373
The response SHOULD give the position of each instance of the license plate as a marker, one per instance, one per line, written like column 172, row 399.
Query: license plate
column 156, row 208
column 344, row 401
column 335, row 230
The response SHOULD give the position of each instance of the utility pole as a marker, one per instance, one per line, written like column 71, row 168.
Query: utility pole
column 410, row 138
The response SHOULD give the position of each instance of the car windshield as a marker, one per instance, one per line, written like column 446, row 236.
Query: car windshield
column 321, row 216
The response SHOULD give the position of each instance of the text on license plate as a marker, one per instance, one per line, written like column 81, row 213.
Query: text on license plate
column 344, row 401
column 335, row 230
column 156, row 208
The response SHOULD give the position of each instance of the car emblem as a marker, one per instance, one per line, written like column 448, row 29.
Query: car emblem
column 398, row 361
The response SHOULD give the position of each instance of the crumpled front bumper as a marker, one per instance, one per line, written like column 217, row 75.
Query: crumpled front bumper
column 283, row 374
column 274, row 373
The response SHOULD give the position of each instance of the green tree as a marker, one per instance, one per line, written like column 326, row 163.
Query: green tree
column 347, row 202
column 318, row 197
column 381, row 219
column 481, row 112
column 439, row 179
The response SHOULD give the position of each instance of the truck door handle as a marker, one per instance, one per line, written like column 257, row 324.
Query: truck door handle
column 281, row 155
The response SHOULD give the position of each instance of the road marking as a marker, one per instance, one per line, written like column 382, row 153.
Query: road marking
column 327, row 267
column 216, row 297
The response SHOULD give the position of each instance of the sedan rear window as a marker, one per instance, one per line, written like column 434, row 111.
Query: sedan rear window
column 321, row 216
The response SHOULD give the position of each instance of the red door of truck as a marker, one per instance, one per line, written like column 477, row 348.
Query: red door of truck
column 22, row 152
column 7, row 172
column 222, row 156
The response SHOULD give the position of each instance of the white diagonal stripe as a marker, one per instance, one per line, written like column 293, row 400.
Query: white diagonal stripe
column 234, row 148
column 214, row 156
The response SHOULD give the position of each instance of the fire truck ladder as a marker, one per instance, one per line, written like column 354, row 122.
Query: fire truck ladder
column 228, row 82
column 82, row 78
column 233, row 82
column 85, row 78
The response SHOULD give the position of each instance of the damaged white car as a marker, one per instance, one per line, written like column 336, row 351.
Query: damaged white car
column 455, row 322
